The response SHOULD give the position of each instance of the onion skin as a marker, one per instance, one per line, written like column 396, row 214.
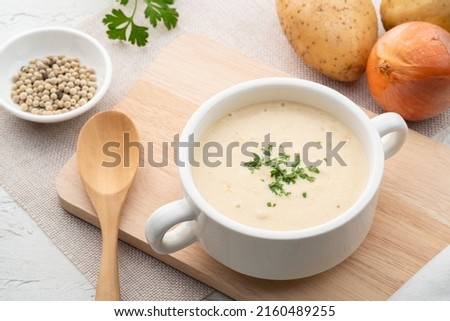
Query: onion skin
column 408, row 70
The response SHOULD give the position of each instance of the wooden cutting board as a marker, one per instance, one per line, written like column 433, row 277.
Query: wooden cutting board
column 412, row 222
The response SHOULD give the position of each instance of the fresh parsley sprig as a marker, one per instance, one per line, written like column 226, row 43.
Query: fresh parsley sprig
column 123, row 27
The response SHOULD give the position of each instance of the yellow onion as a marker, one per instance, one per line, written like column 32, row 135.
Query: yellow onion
column 408, row 70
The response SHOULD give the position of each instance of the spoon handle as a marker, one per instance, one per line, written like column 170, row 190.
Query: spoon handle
column 108, row 287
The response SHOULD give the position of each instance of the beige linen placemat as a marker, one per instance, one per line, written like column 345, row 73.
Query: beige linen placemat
column 32, row 154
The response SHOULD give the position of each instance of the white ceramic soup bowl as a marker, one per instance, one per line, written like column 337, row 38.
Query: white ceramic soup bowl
column 276, row 254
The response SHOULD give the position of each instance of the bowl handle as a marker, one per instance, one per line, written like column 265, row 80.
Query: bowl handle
column 393, row 130
column 165, row 218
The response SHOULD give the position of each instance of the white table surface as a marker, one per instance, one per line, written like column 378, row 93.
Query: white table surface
column 31, row 266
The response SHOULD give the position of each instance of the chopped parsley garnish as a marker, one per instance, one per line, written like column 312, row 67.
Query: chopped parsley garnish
column 278, row 189
column 313, row 169
column 254, row 164
column 283, row 171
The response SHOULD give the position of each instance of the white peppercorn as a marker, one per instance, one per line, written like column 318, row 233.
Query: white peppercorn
column 53, row 85
column 23, row 95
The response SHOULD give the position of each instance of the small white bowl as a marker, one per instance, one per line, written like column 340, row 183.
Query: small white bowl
column 42, row 42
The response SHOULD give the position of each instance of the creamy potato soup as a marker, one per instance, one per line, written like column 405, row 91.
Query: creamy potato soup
column 280, row 165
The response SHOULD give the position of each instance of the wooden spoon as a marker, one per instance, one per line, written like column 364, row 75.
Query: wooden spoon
column 107, row 166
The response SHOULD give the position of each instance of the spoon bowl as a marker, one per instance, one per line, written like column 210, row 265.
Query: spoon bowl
column 107, row 169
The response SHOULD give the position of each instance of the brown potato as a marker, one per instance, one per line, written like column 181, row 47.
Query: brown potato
column 395, row 12
column 332, row 36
